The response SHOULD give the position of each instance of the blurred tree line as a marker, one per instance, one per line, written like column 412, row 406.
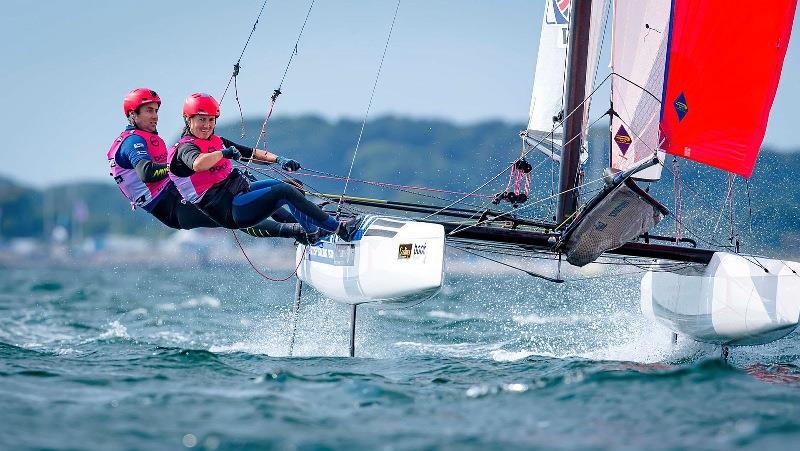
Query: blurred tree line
column 429, row 153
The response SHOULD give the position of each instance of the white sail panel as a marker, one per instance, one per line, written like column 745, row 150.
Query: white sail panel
column 639, row 49
column 547, row 99
column 596, row 28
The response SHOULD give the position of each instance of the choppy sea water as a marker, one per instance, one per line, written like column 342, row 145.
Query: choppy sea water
column 197, row 357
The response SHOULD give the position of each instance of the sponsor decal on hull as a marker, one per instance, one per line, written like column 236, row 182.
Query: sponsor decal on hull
column 332, row 254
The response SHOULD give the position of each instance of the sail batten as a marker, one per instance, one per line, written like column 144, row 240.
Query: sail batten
column 723, row 66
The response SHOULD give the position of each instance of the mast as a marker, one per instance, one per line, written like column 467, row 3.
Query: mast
column 580, row 19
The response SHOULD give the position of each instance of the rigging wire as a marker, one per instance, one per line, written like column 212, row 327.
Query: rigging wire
column 524, row 153
column 680, row 225
column 233, row 77
column 700, row 237
column 400, row 188
column 322, row 174
column 677, row 189
column 726, row 203
column 369, row 106
column 238, row 63
column 530, row 273
column 528, row 205
column 749, row 207
column 278, row 91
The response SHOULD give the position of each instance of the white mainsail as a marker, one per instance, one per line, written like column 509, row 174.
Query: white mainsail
column 639, row 49
column 547, row 98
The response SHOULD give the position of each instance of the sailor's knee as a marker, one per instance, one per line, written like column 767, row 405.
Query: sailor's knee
column 287, row 191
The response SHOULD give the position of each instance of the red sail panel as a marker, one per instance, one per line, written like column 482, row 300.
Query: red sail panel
column 724, row 63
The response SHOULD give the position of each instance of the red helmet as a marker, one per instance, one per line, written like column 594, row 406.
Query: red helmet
column 137, row 98
column 199, row 103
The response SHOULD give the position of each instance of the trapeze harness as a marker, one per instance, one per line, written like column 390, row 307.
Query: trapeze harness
column 139, row 193
column 228, row 198
column 225, row 181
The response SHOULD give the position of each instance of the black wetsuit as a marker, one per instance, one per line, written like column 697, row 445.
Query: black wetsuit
column 236, row 203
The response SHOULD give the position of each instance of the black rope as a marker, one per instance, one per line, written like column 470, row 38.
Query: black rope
column 294, row 51
column 238, row 63
column 749, row 207
column 539, row 142
column 277, row 92
column 530, row 273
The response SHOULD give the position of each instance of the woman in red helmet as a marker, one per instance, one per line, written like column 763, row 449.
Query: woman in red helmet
column 200, row 166
column 138, row 160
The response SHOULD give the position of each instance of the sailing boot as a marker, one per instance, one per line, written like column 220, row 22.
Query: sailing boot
column 310, row 239
column 347, row 229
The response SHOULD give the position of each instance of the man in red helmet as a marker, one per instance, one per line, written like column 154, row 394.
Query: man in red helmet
column 138, row 160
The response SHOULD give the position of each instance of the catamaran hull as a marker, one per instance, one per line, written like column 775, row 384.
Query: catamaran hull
column 734, row 300
column 391, row 260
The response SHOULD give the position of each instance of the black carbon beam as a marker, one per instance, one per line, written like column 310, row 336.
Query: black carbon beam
column 535, row 240
column 486, row 215
column 545, row 242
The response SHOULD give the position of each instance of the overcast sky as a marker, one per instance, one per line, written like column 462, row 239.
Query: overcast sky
column 67, row 65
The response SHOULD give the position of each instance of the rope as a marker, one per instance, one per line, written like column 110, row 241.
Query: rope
column 369, row 106
column 325, row 175
column 731, row 217
column 277, row 92
column 516, row 209
column 236, row 68
column 241, row 248
column 530, row 273
column 238, row 63
column 677, row 187
column 524, row 153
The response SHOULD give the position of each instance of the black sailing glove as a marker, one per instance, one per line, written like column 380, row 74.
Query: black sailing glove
column 287, row 164
column 231, row 153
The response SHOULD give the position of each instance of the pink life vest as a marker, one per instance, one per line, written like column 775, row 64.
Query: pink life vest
column 139, row 193
column 193, row 188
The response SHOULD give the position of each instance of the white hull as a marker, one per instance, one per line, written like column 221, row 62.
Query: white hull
column 391, row 261
column 732, row 300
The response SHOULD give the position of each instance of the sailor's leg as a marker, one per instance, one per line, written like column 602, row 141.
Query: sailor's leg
column 269, row 228
column 283, row 215
column 261, row 184
column 254, row 206
column 167, row 208
column 191, row 217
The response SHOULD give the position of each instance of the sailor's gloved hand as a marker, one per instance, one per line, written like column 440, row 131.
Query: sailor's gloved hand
column 231, row 153
column 287, row 164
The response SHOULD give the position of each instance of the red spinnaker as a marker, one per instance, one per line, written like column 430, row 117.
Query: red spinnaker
column 723, row 67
